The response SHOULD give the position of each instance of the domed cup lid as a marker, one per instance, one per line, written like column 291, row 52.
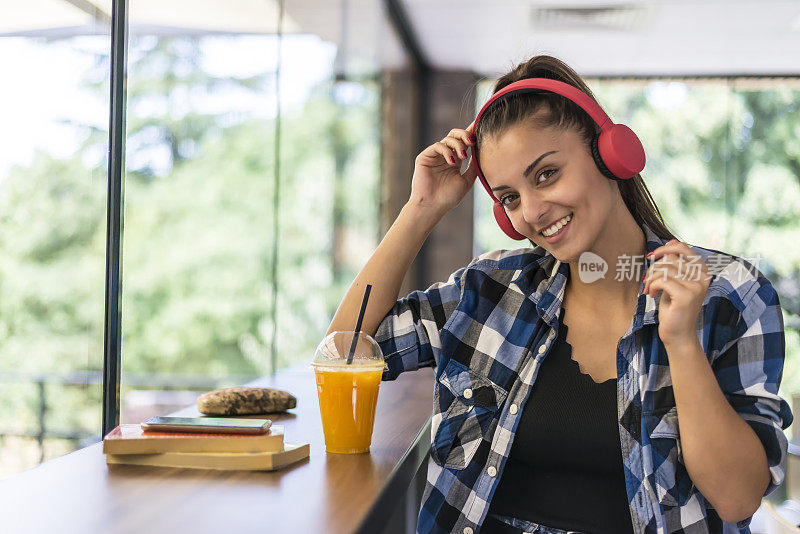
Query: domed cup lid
column 333, row 351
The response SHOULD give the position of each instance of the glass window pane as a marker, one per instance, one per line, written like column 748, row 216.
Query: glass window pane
column 227, row 123
column 53, row 144
column 201, row 101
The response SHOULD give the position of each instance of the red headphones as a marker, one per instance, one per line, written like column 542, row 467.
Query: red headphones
column 617, row 151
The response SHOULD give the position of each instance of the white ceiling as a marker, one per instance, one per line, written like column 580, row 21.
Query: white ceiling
column 638, row 37
column 596, row 37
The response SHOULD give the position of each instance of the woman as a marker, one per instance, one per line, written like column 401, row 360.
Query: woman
column 655, row 405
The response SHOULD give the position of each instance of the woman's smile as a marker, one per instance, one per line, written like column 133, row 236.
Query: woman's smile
column 556, row 232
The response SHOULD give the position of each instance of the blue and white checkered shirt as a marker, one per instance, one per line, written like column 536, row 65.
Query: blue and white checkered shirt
column 488, row 328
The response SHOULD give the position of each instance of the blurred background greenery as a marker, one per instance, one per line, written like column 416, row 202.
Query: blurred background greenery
column 198, row 237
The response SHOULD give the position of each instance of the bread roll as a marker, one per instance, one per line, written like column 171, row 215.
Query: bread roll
column 245, row 401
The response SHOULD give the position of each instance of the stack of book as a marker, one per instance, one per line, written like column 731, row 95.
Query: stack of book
column 129, row 444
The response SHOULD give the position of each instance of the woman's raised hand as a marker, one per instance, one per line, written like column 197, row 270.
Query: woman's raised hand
column 438, row 183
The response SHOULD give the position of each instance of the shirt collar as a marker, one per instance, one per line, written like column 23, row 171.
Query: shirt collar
column 544, row 280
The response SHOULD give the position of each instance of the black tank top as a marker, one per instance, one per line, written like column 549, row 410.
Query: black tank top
column 564, row 469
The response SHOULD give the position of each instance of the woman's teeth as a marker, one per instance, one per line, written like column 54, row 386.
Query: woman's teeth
column 553, row 230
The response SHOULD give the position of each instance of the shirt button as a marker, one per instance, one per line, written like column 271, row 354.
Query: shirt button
column 467, row 393
column 542, row 348
column 551, row 334
column 467, row 530
column 492, row 471
column 513, row 409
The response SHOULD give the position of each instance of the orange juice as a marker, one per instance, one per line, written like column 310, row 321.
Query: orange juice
column 348, row 395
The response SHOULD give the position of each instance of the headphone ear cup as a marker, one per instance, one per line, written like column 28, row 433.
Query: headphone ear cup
column 621, row 151
column 504, row 222
column 598, row 159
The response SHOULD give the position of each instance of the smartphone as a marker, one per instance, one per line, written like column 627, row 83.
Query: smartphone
column 217, row 425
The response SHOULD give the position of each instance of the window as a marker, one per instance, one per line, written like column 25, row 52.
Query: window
column 53, row 145
column 233, row 112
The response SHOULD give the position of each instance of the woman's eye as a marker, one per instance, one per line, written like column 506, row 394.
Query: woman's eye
column 548, row 172
column 506, row 200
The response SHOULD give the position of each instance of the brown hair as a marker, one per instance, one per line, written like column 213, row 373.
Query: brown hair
column 549, row 109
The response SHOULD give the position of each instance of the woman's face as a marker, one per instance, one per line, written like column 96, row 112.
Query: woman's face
column 541, row 175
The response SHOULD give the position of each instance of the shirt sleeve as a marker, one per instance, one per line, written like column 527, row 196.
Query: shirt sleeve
column 409, row 334
column 749, row 368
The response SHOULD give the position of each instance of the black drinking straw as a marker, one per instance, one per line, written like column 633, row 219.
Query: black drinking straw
column 358, row 323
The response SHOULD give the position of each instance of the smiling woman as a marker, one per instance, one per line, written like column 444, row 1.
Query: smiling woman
column 677, row 372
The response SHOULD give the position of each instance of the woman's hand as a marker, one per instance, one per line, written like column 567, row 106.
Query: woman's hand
column 684, row 278
column 438, row 183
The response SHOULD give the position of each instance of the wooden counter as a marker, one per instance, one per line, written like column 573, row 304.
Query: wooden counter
column 327, row 493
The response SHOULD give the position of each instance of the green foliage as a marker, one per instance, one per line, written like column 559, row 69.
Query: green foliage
column 197, row 239
column 198, row 248
column 52, row 232
column 166, row 86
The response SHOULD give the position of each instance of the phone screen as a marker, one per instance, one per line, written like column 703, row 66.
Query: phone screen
column 226, row 425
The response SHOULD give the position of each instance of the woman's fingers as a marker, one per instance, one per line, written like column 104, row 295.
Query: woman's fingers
column 446, row 151
column 674, row 267
column 459, row 141
column 457, row 146
column 465, row 136
column 452, row 148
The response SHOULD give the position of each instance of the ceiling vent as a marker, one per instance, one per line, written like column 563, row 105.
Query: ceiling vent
column 625, row 17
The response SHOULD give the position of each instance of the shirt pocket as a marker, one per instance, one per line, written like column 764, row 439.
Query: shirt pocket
column 468, row 403
column 673, row 485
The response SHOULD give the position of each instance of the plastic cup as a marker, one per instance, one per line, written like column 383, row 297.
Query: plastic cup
column 348, row 393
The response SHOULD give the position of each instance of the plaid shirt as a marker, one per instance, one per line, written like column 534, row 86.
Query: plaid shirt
column 488, row 328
